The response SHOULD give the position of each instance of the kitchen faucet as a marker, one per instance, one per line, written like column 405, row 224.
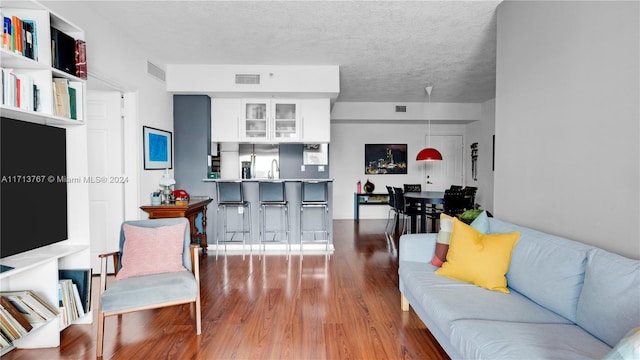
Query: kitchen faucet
column 272, row 172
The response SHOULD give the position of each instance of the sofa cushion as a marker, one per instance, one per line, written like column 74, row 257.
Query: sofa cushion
column 546, row 268
column 477, row 258
column 152, row 250
column 446, row 300
column 609, row 303
column 134, row 292
column 484, row 339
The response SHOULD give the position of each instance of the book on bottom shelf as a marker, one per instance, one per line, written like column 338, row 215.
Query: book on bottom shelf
column 20, row 312
column 82, row 279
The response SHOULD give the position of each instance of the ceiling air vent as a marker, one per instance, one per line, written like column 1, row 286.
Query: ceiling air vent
column 401, row 108
column 155, row 71
column 248, row 79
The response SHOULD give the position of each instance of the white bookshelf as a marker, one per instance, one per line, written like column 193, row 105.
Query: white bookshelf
column 38, row 269
column 41, row 71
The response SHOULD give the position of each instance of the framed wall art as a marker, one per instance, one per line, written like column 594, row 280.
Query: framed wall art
column 385, row 159
column 157, row 148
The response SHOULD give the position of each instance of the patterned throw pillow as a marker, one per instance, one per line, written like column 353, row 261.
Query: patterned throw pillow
column 442, row 240
column 481, row 223
column 152, row 250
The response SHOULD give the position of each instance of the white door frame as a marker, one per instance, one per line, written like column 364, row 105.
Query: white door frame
column 130, row 140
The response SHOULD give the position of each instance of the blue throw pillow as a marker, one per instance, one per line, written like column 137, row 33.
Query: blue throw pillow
column 481, row 223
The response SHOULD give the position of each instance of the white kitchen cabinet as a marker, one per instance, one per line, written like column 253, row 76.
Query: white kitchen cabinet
column 225, row 120
column 270, row 120
column 316, row 121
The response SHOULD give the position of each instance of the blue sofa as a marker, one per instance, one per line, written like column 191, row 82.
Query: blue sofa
column 567, row 300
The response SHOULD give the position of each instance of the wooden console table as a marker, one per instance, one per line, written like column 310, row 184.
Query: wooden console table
column 190, row 210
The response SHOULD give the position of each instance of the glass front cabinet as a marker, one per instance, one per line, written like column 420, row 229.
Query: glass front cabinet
column 270, row 120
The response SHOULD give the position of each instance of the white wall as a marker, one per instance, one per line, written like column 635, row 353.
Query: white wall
column 481, row 132
column 347, row 160
column 567, row 126
column 113, row 57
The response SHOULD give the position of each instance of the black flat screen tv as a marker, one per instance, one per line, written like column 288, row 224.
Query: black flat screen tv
column 33, row 187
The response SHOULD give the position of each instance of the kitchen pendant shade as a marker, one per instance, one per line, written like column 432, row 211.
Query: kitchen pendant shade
column 429, row 154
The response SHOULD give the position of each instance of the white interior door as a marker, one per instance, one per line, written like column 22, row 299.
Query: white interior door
column 106, row 169
column 440, row 175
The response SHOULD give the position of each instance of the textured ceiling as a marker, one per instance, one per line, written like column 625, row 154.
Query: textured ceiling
column 386, row 51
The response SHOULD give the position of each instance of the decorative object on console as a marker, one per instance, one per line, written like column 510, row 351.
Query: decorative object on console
column 385, row 158
column 429, row 153
column 166, row 183
column 181, row 195
column 157, row 149
column 369, row 187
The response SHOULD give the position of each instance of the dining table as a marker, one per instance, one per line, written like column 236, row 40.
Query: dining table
column 427, row 200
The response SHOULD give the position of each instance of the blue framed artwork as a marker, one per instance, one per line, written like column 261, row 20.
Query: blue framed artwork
column 157, row 148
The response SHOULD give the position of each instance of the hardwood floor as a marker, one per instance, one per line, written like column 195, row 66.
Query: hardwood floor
column 346, row 306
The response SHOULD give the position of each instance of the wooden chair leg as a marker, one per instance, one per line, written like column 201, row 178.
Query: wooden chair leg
column 100, row 341
column 198, row 317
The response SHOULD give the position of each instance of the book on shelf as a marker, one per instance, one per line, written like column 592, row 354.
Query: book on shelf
column 20, row 311
column 69, row 300
column 81, row 59
column 72, row 103
column 61, row 105
column 6, row 33
column 15, row 313
column 31, row 35
column 82, row 279
column 77, row 100
column 31, row 302
column 63, row 51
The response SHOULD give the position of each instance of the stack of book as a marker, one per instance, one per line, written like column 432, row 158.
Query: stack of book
column 19, row 91
column 20, row 312
column 20, row 36
column 74, row 294
column 67, row 98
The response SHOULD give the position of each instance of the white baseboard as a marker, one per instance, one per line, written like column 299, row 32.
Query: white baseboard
column 271, row 249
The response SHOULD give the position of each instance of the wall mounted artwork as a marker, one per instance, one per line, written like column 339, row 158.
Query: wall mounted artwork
column 157, row 148
column 385, row 159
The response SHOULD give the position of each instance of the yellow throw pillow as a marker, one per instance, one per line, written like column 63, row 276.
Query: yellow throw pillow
column 479, row 259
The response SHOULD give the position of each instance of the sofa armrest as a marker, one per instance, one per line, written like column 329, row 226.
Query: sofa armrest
column 417, row 247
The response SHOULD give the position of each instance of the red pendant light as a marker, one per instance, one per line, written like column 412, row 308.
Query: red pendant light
column 429, row 153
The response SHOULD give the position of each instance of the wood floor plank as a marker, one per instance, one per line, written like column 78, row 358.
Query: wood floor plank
column 343, row 306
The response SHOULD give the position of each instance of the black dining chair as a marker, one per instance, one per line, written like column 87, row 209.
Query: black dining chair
column 470, row 196
column 393, row 212
column 412, row 188
column 454, row 202
column 405, row 211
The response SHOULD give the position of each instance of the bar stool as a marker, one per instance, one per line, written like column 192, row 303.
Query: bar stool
column 230, row 196
column 272, row 194
column 314, row 195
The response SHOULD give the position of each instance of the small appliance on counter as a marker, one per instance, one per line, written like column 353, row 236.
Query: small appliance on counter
column 246, row 169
